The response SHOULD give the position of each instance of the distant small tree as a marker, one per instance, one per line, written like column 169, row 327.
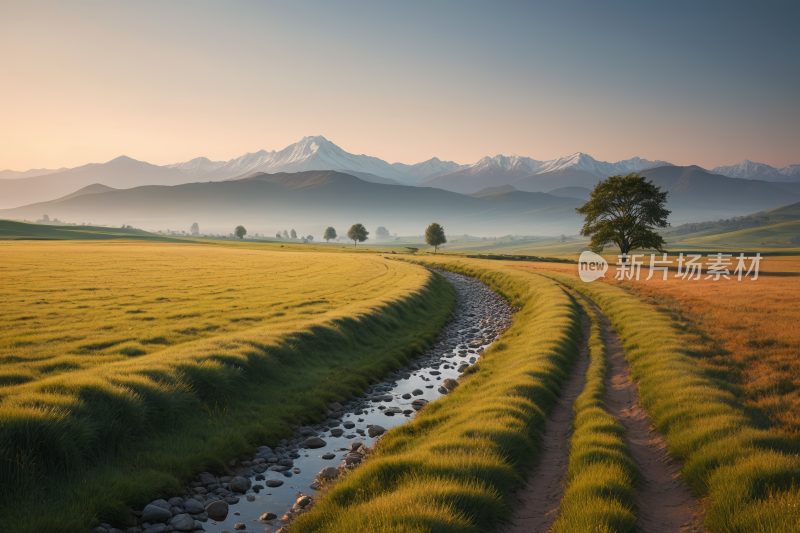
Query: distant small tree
column 240, row 232
column 563, row 238
column 357, row 233
column 285, row 234
column 195, row 229
column 412, row 250
column 434, row 236
column 622, row 210
column 278, row 235
column 294, row 234
column 46, row 218
column 329, row 234
column 310, row 238
column 382, row 233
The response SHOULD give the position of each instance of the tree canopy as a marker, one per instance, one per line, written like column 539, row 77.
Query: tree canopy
column 434, row 236
column 293, row 234
column 382, row 233
column 240, row 232
column 357, row 233
column 195, row 229
column 623, row 210
column 330, row 233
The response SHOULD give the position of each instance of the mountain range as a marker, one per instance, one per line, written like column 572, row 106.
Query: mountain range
column 694, row 193
column 308, row 202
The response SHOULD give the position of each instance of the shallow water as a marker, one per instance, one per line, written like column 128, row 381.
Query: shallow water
column 476, row 307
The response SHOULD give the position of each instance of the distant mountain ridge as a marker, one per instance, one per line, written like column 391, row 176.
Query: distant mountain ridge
column 759, row 171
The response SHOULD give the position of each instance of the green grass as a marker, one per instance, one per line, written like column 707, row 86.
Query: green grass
column 451, row 469
column 86, row 434
column 14, row 230
column 746, row 476
column 602, row 475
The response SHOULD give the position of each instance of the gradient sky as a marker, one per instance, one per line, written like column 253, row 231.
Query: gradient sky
column 687, row 82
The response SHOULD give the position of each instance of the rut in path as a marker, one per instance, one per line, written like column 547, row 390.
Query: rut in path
column 536, row 504
column 662, row 499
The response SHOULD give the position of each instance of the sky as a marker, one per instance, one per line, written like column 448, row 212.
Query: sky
column 706, row 83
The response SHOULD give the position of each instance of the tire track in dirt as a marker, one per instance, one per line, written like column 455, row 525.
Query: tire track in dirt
column 534, row 507
column 663, row 501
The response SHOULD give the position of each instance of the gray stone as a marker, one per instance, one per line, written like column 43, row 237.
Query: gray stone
column 406, row 396
column 375, row 430
column 182, row 522
column 306, row 432
column 442, row 390
column 206, row 479
column 329, row 456
column 232, row 500
column 175, row 502
column 240, row 484
column 160, row 503
column 328, row 472
column 314, row 442
column 156, row 513
column 268, row 516
column 335, row 406
column 198, row 526
column 450, row 384
column 273, row 483
column 417, row 392
column 194, row 506
column 217, row 510
column 258, row 469
column 348, row 425
column 337, row 432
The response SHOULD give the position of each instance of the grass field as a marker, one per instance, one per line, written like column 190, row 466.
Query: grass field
column 451, row 469
column 128, row 367
column 741, row 469
column 601, row 477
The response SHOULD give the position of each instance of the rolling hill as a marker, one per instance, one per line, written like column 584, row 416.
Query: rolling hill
column 122, row 173
column 310, row 201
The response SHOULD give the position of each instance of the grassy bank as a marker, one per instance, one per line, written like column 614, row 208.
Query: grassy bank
column 602, row 475
column 451, row 469
column 102, row 409
column 746, row 475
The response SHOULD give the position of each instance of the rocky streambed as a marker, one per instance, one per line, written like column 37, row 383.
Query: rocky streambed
column 260, row 490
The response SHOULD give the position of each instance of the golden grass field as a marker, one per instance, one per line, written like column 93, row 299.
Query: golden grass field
column 127, row 367
column 71, row 307
column 748, row 329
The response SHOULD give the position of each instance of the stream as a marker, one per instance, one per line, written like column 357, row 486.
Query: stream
column 478, row 318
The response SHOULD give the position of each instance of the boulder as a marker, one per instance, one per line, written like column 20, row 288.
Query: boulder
column 182, row 522
column 268, row 516
column 206, row 479
column 155, row 513
column 337, row 432
column 240, row 484
column 217, row 510
column 194, row 506
column 335, row 406
column 314, row 442
column 161, row 503
column 273, row 483
column 450, row 384
column 375, row 430
column 303, row 502
column 328, row 472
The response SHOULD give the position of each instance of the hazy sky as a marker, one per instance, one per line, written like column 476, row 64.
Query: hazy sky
column 691, row 83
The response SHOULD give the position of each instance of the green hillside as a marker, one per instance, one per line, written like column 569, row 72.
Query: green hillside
column 767, row 237
column 15, row 230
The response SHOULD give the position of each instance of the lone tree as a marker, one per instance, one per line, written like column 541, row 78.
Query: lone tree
column 278, row 235
column 357, row 233
column 294, row 234
column 240, row 232
column 434, row 236
column 623, row 210
column 329, row 234
column 310, row 238
column 195, row 229
column 382, row 233
column 285, row 234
